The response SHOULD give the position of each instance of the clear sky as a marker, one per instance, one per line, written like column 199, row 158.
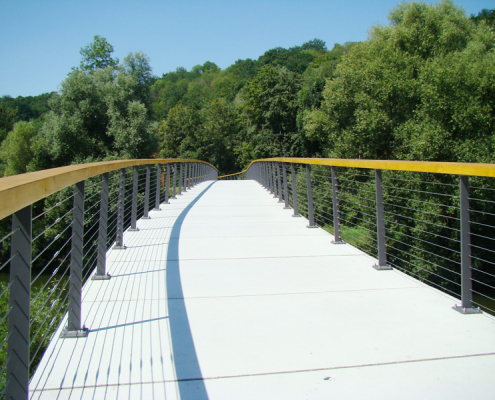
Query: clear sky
column 40, row 40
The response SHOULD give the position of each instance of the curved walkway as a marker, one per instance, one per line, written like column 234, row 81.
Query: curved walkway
column 223, row 295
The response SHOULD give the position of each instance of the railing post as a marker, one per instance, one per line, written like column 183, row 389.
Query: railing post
column 167, row 184
column 274, row 178
column 336, row 209
column 147, row 194
column 134, row 199
column 294, row 190
column 266, row 175
column 279, row 184
column 286, row 190
column 181, row 171
column 189, row 181
column 19, row 305
column 101, row 264
column 380, row 224
column 74, row 327
column 311, row 215
column 158, row 187
column 119, row 237
column 184, row 175
column 269, row 171
column 174, row 181
column 466, row 306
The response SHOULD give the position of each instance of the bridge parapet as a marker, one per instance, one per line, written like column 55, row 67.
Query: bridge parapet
column 57, row 226
column 431, row 220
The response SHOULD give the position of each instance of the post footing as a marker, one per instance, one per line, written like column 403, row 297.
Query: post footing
column 96, row 277
column 467, row 310
column 385, row 267
column 296, row 215
column 133, row 230
column 145, row 217
column 157, row 209
column 287, row 208
column 311, row 226
column 66, row 334
column 119, row 247
column 337, row 242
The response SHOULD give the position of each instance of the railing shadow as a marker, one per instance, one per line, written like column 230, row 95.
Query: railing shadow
column 188, row 371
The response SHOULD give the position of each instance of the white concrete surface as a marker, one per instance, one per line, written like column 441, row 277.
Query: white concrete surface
column 223, row 295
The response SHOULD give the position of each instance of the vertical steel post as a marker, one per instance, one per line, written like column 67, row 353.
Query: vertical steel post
column 380, row 224
column 19, row 304
column 119, row 236
column 181, row 171
column 101, row 263
column 265, row 175
column 158, row 187
column 167, row 184
column 174, row 181
column 274, row 177
column 286, row 190
column 336, row 209
column 269, row 177
column 311, row 216
column 135, row 178
column 189, row 181
column 294, row 190
column 74, row 327
column 185, row 177
column 279, row 183
column 147, row 194
column 466, row 306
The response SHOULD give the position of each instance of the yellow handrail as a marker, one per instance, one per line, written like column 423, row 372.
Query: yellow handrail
column 19, row 191
column 450, row 168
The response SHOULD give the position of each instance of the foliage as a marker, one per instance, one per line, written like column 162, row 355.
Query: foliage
column 29, row 107
column 97, row 55
column 15, row 150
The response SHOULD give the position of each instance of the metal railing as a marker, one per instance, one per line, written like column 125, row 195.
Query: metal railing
column 57, row 226
column 432, row 221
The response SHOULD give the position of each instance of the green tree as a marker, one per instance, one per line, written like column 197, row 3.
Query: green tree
column 7, row 116
column 269, row 107
column 15, row 151
column 97, row 55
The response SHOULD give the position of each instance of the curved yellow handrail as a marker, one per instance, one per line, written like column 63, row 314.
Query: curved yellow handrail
column 19, row 191
column 450, row 168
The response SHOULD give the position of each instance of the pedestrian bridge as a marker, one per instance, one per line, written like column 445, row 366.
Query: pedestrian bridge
column 223, row 291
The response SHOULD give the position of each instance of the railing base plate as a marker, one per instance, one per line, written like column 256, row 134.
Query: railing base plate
column 105, row 277
column 119, row 247
column 296, row 215
column 157, row 209
column 287, row 208
column 337, row 242
column 66, row 334
column 467, row 310
column 385, row 267
column 311, row 226
column 145, row 217
column 133, row 229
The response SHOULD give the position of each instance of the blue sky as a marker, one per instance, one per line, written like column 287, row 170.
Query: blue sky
column 40, row 40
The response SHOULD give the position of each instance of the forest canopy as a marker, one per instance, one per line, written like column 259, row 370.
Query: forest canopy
column 420, row 88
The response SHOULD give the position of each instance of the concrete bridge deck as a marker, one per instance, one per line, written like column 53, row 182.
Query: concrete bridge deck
column 223, row 295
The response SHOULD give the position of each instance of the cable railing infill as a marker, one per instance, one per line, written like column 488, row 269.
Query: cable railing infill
column 62, row 256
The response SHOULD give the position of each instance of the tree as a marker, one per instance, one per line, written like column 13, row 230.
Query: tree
column 97, row 55
column 269, row 110
column 7, row 115
column 95, row 117
column 15, row 152
column 138, row 65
